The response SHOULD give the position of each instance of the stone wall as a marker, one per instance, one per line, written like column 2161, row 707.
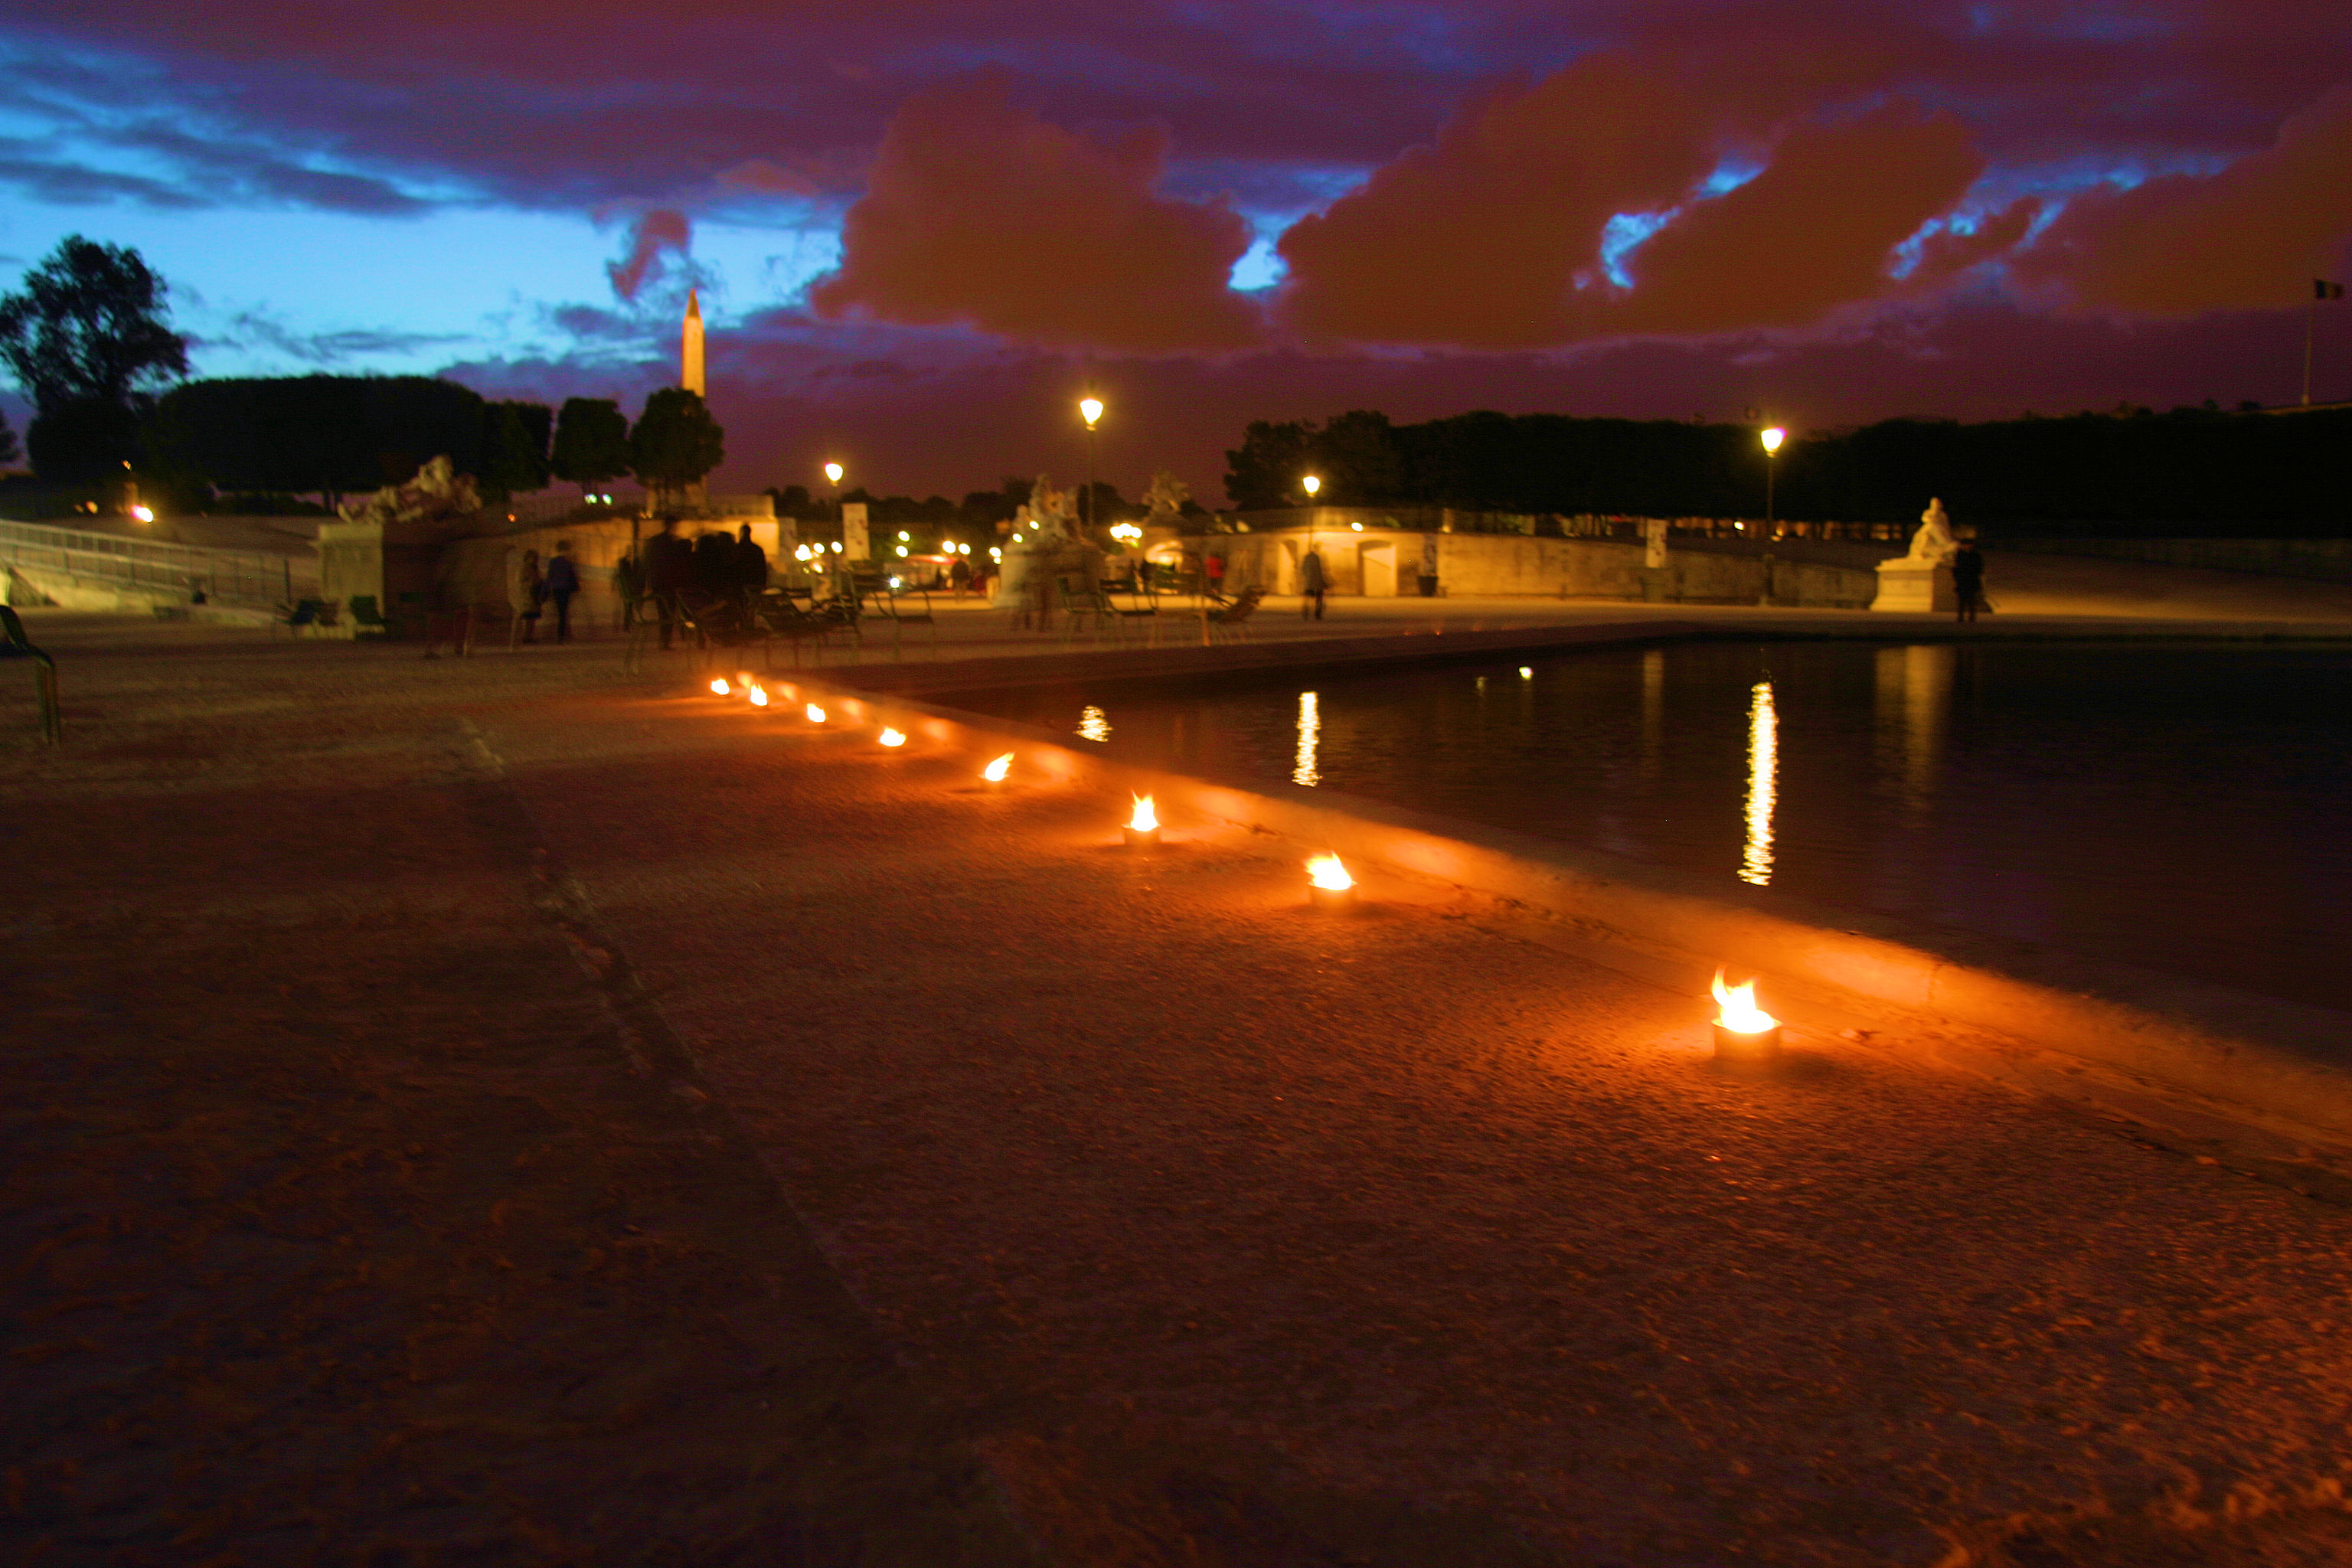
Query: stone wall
column 2324, row 560
column 1381, row 562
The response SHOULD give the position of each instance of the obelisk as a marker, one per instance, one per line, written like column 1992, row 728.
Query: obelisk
column 695, row 497
column 689, row 356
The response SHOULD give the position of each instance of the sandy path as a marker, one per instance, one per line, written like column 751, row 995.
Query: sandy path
column 1358, row 1218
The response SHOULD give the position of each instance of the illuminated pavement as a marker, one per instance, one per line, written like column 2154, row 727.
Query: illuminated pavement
column 1220, row 1232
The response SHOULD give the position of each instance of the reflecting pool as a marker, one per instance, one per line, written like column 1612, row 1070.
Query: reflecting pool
column 2186, row 808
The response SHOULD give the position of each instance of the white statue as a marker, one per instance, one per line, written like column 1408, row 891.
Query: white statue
column 1934, row 544
column 1050, row 509
column 1166, row 498
column 437, row 493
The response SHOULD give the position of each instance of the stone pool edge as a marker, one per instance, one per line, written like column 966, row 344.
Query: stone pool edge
column 2273, row 1076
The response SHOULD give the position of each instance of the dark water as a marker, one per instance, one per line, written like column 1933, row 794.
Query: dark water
column 2185, row 808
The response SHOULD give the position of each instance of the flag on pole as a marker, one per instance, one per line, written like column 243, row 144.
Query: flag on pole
column 2322, row 288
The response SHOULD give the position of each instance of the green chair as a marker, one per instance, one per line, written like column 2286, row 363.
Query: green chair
column 367, row 620
column 14, row 644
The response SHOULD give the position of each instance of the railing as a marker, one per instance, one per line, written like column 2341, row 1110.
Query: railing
column 245, row 577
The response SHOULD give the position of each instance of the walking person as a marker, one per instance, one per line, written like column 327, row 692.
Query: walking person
column 1213, row 569
column 629, row 587
column 1968, row 581
column 1312, row 585
column 534, row 595
column 670, row 572
column 958, row 577
column 562, row 583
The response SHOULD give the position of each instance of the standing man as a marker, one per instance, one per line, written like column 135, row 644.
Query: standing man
column 562, row 582
column 1968, row 581
column 629, row 586
column 670, row 572
column 750, row 564
column 1312, row 585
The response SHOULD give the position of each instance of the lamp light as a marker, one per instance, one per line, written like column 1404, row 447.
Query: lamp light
column 1090, row 409
column 1310, row 484
column 832, row 473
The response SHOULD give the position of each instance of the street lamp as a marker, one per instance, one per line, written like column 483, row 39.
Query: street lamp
column 1772, row 437
column 1090, row 409
column 1310, row 484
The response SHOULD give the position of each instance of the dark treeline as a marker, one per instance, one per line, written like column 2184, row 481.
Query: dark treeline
column 2127, row 472
column 342, row 435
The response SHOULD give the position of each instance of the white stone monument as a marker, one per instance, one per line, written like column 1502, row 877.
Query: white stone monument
column 1921, row 581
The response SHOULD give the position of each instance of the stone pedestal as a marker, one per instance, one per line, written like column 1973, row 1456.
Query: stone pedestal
column 1905, row 584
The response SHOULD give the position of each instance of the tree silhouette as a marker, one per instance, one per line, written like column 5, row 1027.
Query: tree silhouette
column 676, row 441
column 88, row 342
column 591, row 442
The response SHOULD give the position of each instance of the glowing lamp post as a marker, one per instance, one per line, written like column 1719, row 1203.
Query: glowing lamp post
column 1311, row 485
column 1772, row 437
column 1744, row 1033
column 1090, row 409
column 1142, row 829
column 997, row 770
column 1328, row 886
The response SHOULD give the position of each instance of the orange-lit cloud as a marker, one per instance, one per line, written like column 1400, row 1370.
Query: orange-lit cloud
column 650, row 234
column 1477, row 241
column 982, row 213
column 2250, row 237
column 1814, row 231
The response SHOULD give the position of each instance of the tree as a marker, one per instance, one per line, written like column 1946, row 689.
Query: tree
column 514, row 447
column 83, row 441
column 1263, row 473
column 87, row 340
column 8, row 453
column 592, row 443
column 676, row 441
column 333, row 433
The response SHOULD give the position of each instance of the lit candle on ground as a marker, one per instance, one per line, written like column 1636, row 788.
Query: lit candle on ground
column 719, row 685
column 996, row 771
column 1743, row 1031
column 892, row 738
column 815, row 714
column 759, row 697
column 1142, row 829
column 1328, row 885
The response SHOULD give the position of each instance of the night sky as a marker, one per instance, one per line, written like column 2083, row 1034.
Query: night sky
column 918, row 229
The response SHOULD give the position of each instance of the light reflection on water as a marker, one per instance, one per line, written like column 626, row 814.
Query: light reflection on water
column 1310, row 736
column 1763, row 784
column 2186, row 808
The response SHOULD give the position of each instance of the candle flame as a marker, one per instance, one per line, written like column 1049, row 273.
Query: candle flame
column 1144, row 820
column 815, row 714
column 759, row 697
column 892, row 738
column 719, row 686
column 1326, row 871
column 994, row 772
column 1740, row 1013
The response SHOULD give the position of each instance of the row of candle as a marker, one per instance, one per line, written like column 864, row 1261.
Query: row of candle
column 1744, row 1032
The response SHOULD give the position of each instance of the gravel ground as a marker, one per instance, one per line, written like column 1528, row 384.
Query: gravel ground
column 1216, row 1232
